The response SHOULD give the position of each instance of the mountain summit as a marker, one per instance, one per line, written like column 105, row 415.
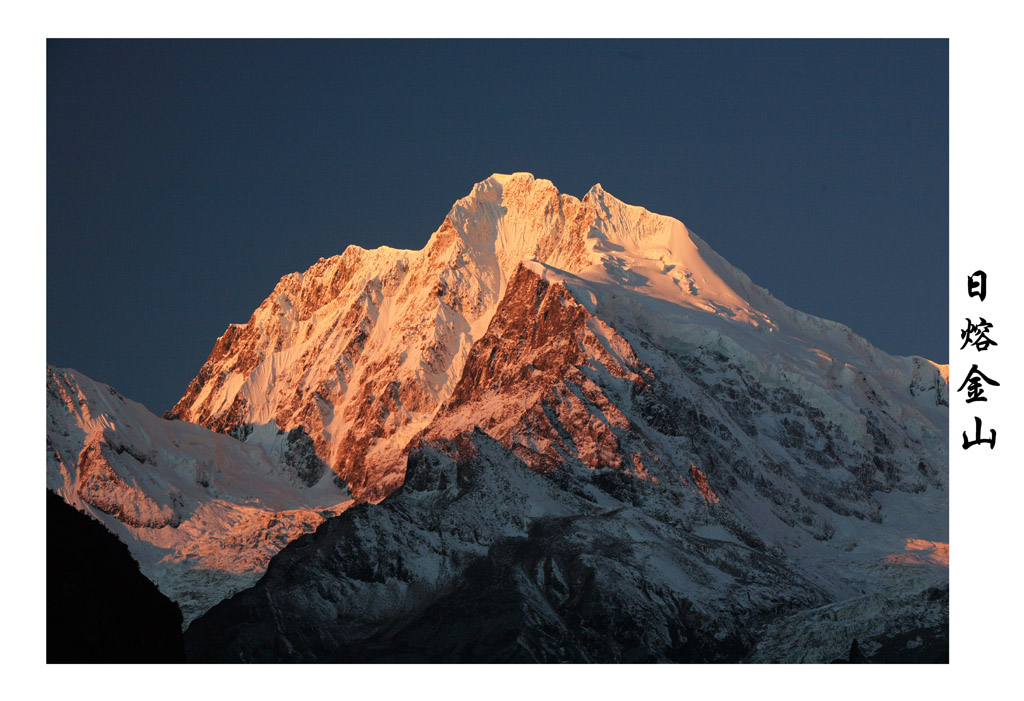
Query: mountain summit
column 361, row 349
column 570, row 431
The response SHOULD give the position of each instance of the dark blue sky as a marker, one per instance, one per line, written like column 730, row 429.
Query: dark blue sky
column 185, row 178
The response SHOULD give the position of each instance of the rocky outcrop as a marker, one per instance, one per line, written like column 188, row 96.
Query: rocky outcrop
column 478, row 558
column 99, row 485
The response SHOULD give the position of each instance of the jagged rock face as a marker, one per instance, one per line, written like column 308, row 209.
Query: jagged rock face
column 532, row 359
column 362, row 348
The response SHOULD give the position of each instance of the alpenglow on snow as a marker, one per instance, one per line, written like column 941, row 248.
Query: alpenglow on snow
column 580, row 380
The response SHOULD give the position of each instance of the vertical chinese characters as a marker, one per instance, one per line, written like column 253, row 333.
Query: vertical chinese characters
column 977, row 336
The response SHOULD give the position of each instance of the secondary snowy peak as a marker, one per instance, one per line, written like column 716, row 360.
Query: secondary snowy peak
column 362, row 349
column 202, row 513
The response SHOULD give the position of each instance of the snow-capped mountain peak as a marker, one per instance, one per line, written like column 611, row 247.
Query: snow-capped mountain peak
column 362, row 349
column 542, row 359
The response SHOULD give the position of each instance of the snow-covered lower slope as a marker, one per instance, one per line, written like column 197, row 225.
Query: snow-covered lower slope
column 201, row 512
column 478, row 558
